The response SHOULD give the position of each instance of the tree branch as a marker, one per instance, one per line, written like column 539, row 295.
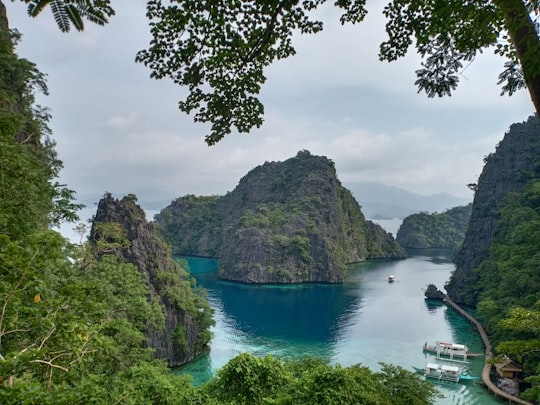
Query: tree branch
column 48, row 363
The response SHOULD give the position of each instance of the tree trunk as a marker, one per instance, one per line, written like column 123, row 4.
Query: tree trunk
column 5, row 38
column 523, row 35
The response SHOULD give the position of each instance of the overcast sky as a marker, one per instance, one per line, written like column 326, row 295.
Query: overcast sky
column 117, row 130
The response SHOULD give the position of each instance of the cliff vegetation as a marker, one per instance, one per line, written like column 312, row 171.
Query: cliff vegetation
column 285, row 222
column 508, row 170
column 120, row 229
column 444, row 230
column 79, row 323
column 497, row 267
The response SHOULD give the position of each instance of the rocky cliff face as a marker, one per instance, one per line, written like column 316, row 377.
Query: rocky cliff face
column 285, row 222
column 135, row 240
column 507, row 170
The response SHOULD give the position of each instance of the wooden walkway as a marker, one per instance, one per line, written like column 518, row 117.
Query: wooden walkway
column 486, row 371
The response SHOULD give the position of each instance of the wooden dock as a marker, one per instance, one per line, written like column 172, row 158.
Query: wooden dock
column 486, row 371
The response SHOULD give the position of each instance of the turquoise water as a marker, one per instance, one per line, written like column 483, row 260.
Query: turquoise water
column 365, row 320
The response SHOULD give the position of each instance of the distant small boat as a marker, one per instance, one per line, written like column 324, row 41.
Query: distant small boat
column 391, row 278
column 452, row 351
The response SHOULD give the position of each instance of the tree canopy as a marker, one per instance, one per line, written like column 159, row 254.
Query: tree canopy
column 219, row 50
column 509, row 283
column 69, row 13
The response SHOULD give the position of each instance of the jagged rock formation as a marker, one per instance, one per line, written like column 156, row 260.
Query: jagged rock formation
column 121, row 226
column 433, row 293
column 444, row 230
column 285, row 222
column 507, row 170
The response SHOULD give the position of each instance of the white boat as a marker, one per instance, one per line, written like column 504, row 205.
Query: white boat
column 441, row 372
column 391, row 278
column 453, row 351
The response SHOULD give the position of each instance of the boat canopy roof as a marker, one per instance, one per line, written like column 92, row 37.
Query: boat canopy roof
column 432, row 365
column 455, row 346
column 446, row 367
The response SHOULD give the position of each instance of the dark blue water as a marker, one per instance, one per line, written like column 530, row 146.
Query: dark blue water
column 364, row 320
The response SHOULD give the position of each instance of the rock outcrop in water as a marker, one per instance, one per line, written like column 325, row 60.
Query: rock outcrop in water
column 121, row 226
column 285, row 222
column 433, row 293
column 513, row 164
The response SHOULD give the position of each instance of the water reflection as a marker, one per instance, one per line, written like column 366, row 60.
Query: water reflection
column 436, row 256
column 434, row 305
column 365, row 320
column 305, row 313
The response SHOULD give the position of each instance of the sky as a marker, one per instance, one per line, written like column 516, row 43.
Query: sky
column 117, row 130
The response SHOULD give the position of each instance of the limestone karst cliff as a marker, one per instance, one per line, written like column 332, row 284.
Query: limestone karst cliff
column 445, row 230
column 285, row 222
column 507, row 170
column 120, row 228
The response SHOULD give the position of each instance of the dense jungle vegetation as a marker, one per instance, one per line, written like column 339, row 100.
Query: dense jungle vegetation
column 73, row 317
column 71, row 325
column 508, row 293
column 444, row 230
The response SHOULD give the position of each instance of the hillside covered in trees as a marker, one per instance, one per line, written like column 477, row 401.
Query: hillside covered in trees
column 497, row 267
column 285, row 222
column 77, row 321
column 120, row 228
column 445, row 230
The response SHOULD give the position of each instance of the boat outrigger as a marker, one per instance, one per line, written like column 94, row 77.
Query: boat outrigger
column 453, row 351
column 444, row 372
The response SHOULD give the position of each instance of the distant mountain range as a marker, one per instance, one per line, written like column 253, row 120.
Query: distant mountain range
column 381, row 201
column 148, row 199
column 377, row 200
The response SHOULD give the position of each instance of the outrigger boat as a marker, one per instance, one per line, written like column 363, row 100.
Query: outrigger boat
column 453, row 351
column 441, row 372
column 444, row 372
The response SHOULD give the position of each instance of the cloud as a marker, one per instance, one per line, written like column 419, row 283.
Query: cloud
column 118, row 130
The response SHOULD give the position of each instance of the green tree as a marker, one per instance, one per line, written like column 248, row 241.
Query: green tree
column 30, row 196
column 72, row 324
column 522, row 327
column 72, row 334
column 247, row 379
column 509, row 283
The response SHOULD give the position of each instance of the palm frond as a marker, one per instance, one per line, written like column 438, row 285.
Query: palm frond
column 58, row 8
column 36, row 7
column 73, row 12
column 93, row 15
column 74, row 16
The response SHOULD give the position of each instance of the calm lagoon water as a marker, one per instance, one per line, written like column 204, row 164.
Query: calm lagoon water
column 365, row 320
